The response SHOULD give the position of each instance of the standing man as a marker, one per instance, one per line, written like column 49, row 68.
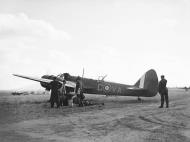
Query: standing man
column 163, row 91
column 64, row 97
column 55, row 86
column 79, row 92
column 77, row 85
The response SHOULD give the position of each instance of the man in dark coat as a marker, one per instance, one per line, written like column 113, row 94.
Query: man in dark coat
column 55, row 85
column 163, row 91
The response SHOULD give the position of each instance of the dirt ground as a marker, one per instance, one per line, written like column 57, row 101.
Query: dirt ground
column 121, row 119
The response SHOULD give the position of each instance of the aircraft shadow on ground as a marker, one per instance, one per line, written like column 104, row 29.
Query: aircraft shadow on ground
column 122, row 100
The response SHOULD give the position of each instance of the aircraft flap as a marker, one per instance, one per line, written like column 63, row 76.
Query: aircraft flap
column 135, row 88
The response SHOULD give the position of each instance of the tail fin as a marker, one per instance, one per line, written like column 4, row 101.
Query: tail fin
column 149, row 82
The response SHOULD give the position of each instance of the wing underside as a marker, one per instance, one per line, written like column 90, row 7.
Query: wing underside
column 44, row 80
column 34, row 78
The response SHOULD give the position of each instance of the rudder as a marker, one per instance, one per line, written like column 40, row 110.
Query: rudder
column 149, row 81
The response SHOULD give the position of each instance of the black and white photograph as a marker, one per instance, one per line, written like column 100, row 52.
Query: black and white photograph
column 94, row 71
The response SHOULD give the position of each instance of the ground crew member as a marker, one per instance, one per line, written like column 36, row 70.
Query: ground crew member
column 163, row 91
column 79, row 92
column 62, row 94
column 77, row 85
column 55, row 85
column 80, row 97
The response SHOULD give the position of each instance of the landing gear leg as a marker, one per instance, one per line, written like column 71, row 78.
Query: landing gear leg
column 139, row 99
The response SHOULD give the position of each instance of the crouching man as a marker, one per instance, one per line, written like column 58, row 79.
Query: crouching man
column 78, row 98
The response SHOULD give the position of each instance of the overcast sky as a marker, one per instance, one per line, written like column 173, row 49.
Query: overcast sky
column 120, row 38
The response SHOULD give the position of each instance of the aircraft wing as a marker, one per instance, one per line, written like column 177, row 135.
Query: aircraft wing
column 34, row 79
column 68, row 83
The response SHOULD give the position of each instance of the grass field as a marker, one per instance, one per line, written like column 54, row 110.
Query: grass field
column 30, row 118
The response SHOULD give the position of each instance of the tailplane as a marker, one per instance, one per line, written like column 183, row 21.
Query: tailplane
column 149, row 82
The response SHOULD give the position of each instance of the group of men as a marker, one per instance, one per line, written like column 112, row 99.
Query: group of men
column 61, row 96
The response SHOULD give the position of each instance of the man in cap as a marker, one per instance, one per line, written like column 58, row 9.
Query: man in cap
column 163, row 91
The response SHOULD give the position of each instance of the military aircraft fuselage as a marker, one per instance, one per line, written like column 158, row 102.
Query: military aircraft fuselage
column 146, row 86
column 92, row 86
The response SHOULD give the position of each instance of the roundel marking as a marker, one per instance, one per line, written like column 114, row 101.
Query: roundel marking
column 107, row 87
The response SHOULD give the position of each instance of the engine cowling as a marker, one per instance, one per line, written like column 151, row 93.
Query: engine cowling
column 47, row 85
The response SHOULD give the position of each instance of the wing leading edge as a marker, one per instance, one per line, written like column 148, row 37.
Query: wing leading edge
column 34, row 78
column 44, row 80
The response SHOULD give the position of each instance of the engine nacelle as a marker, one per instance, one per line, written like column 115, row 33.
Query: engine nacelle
column 46, row 85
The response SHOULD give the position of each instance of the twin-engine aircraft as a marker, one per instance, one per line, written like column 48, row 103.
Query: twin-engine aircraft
column 146, row 86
